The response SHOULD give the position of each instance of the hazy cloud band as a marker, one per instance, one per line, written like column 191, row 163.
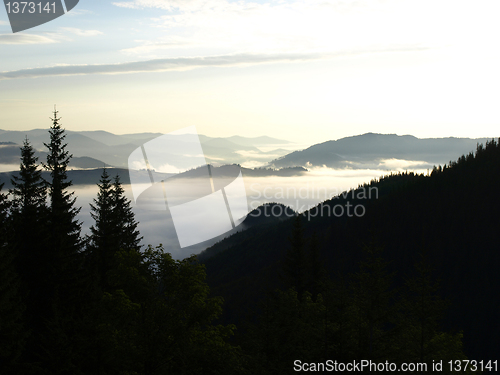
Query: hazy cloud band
column 184, row 63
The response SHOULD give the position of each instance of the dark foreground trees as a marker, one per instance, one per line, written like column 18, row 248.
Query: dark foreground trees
column 115, row 229
column 150, row 314
column 104, row 308
column 28, row 243
column 158, row 319
column 12, row 329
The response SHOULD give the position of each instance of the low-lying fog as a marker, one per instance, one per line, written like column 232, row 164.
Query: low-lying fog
column 300, row 193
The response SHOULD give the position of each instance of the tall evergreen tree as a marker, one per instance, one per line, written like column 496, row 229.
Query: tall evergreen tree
column 63, row 293
column 29, row 189
column 103, row 241
column 12, row 333
column 64, row 228
column 29, row 211
column 128, row 234
column 29, row 214
column 115, row 228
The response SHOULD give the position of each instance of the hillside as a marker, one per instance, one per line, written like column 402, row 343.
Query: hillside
column 370, row 150
column 452, row 215
column 114, row 149
column 251, row 226
column 93, row 169
column 10, row 155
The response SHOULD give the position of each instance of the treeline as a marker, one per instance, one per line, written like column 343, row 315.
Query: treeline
column 97, row 304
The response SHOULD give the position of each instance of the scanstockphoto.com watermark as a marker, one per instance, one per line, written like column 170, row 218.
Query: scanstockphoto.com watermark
column 458, row 365
column 307, row 193
column 363, row 366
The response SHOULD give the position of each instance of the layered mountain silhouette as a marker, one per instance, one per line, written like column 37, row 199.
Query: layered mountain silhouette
column 371, row 150
column 367, row 151
column 114, row 150
column 92, row 175
column 10, row 154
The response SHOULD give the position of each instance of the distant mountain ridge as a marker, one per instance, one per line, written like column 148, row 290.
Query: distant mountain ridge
column 91, row 176
column 366, row 151
column 113, row 150
column 10, row 154
column 370, row 150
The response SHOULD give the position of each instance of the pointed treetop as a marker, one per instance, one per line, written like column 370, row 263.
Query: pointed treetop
column 55, row 119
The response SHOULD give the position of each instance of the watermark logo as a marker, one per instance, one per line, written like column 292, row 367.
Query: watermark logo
column 170, row 173
column 304, row 199
column 25, row 15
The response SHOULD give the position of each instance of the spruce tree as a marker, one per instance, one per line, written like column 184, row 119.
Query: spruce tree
column 64, row 292
column 128, row 234
column 115, row 228
column 29, row 215
column 64, row 228
column 29, row 189
column 103, row 241
column 63, row 255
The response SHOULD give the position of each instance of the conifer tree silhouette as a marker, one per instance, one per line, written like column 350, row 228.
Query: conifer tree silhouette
column 103, row 240
column 29, row 216
column 63, row 260
column 128, row 234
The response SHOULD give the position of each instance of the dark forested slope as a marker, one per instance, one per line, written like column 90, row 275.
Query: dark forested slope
column 451, row 215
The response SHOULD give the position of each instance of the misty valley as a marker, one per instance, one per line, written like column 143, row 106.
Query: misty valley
column 374, row 248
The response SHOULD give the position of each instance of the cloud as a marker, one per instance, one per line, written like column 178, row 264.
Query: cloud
column 156, row 65
column 185, row 63
column 25, row 39
column 257, row 155
column 312, row 26
column 292, row 26
column 169, row 42
column 3, row 23
column 402, row 165
column 166, row 4
column 253, row 164
column 248, row 27
column 48, row 38
column 167, row 168
column 79, row 12
column 81, row 32
column 8, row 167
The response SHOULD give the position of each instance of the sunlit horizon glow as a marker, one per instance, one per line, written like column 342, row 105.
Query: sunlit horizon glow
column 305, row 71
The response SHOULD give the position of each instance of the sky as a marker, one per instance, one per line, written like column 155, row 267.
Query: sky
column 306, row 71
